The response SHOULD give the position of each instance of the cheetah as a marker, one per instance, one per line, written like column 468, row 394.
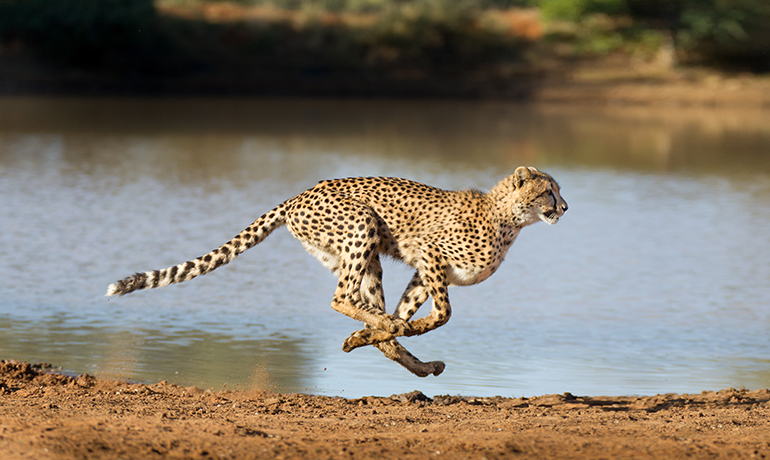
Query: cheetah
column 450, row 238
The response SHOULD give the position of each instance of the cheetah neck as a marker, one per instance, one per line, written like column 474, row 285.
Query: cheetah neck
column 508, row 207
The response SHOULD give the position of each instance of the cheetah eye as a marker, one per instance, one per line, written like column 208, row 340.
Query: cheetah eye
column 550, row 194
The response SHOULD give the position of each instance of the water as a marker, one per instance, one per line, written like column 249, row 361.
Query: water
column 656, row 280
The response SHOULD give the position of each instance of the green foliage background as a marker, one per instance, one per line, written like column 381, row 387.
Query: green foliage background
column 721, row 32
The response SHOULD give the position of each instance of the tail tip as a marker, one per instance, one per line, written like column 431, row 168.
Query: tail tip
column 112, row 289
column 127, row 285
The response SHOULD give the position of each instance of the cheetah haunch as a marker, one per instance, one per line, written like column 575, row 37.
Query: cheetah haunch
column 450, row 238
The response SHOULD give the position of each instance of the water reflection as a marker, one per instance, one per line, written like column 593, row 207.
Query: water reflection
column 189, row 139
column 186, row 357
column 655, row 281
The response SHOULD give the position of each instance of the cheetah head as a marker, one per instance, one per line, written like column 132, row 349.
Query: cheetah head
column 538, row 196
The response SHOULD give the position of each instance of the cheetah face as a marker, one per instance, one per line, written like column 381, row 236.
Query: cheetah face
column 549, row 204
column 539, row 196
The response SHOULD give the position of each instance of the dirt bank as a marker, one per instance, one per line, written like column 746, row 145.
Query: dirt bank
column 45, row 415
column 623, row 80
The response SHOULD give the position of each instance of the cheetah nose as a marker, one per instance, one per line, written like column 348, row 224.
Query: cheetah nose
column 564, row 207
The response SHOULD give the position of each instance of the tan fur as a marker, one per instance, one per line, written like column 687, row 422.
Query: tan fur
column 448, row 237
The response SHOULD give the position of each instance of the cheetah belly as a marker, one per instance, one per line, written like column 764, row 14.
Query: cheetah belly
column 466, row 276
column 327, row 259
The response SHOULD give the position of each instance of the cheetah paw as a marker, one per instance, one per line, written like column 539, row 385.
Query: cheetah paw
column 438, row 367
column 365, row 337
column 421, row 369
column 353, row 342
column 432, row 367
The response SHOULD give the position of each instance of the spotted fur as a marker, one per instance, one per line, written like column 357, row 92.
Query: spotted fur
column 449, row 237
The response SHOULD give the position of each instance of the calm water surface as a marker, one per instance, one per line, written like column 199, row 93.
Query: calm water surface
column 656, row 280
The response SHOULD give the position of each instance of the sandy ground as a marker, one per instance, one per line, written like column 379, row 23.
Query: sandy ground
column 46, row 415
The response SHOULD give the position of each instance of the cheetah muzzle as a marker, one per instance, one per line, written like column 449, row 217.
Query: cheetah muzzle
column 450, row 238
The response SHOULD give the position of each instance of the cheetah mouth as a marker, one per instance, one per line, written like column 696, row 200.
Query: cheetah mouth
column 551, row 215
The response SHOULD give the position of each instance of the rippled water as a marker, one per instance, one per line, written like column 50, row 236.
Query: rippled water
column 656, row 280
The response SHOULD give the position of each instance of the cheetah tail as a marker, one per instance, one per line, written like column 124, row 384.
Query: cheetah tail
column 248, row 238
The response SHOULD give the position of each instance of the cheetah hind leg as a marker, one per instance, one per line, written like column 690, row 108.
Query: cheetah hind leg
column 371, row 290
column 373, row 294
column 395, row 351
column 414, row 296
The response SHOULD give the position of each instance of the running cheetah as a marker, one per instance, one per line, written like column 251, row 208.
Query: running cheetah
column 450, row 238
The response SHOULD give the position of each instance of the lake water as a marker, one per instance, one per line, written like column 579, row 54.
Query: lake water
column 656, row 280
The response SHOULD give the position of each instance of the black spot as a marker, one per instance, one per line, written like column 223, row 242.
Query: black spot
column 183, row 275
column 139, row 281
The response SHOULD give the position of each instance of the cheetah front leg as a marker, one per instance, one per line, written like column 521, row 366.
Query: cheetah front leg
column 412, row 299
column 371, row 290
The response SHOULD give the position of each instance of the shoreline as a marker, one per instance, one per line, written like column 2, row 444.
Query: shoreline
column 616, row 80
column 49, row 415
column 719, row 93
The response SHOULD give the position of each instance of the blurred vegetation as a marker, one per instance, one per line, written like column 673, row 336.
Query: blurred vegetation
column 120, row 34
column 725, row 33
column 369, row 6
column 474, row 43
column 436, row 46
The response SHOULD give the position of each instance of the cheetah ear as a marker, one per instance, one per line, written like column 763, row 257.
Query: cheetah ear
column 521, row 174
